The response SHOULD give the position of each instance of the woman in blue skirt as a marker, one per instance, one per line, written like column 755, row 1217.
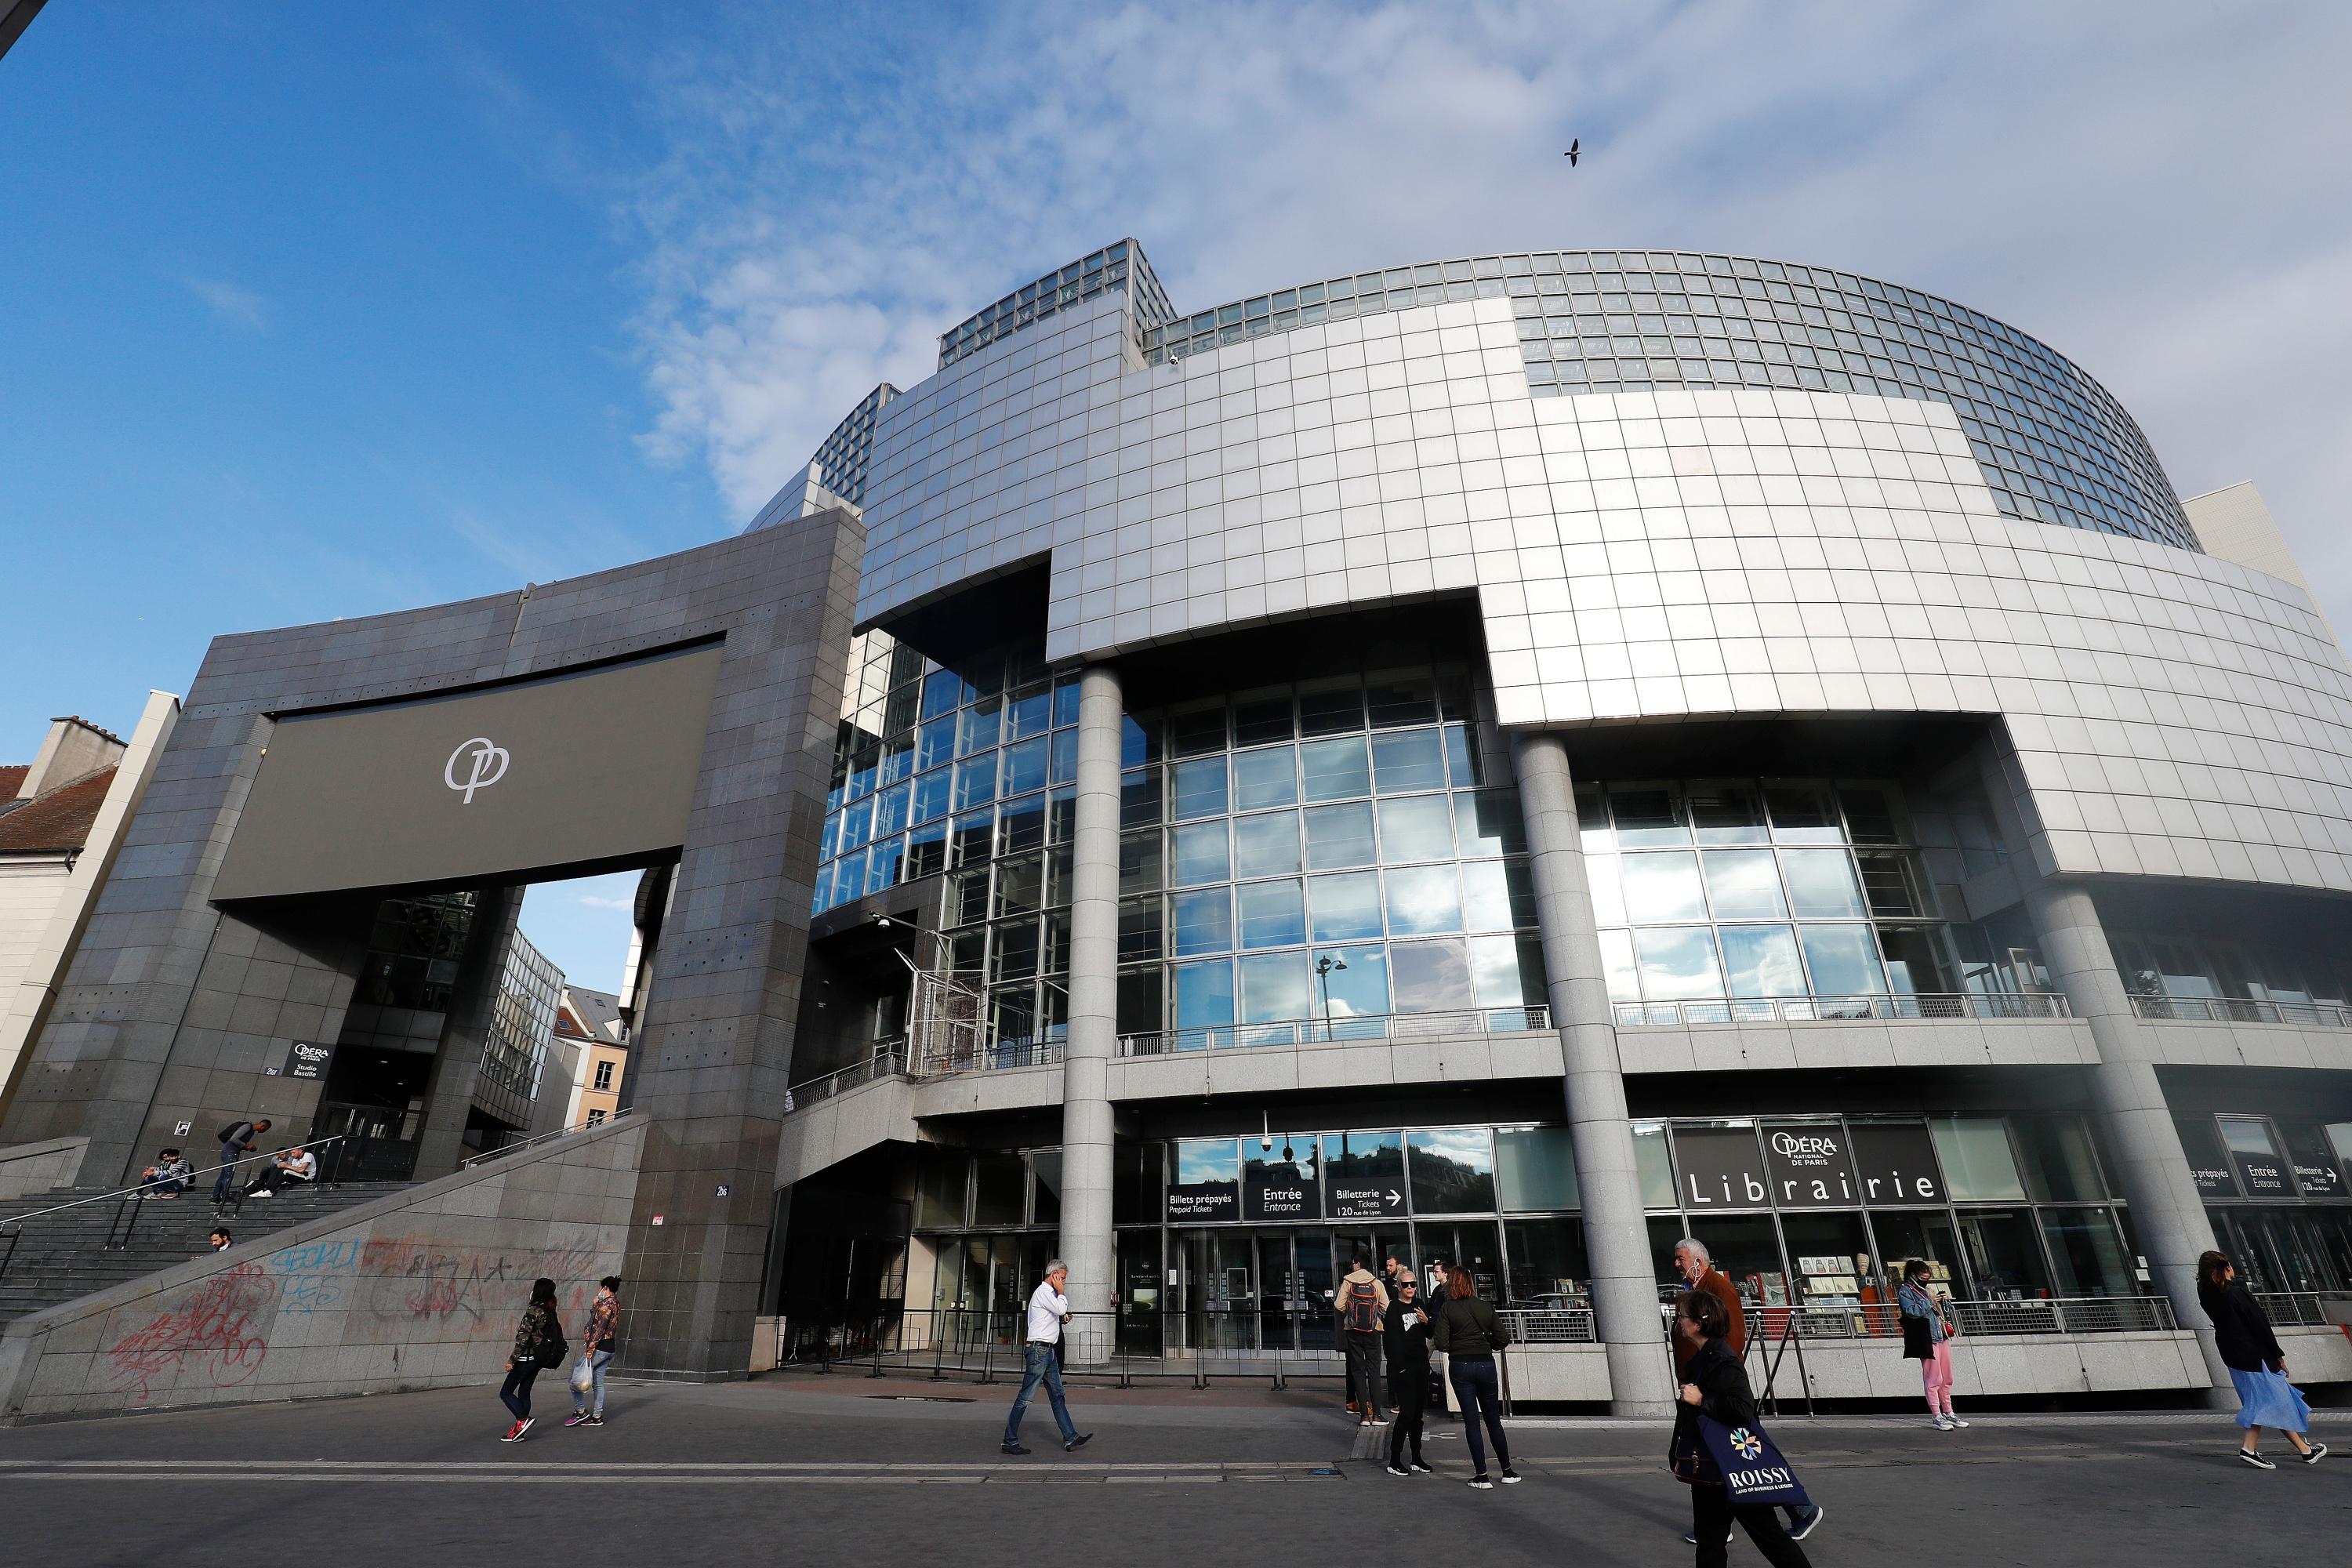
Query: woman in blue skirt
column 2257, row 1366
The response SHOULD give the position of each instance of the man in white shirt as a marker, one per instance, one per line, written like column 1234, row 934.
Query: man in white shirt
column 1049, row 1308
column 288, row 1168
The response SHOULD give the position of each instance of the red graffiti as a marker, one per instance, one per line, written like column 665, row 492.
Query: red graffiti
column 215, row 1328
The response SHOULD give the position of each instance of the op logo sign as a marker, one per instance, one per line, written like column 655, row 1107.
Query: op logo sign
column 485, row 764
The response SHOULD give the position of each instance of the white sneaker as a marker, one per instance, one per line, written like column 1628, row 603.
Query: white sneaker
column 2318, row 1452
column 1942, row 1424
column 1956, row 1421
column 2247, row 1455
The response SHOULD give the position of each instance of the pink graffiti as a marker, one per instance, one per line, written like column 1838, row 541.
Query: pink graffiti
column 215, row 1328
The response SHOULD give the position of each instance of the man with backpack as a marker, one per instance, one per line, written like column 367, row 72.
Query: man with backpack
column 236, row 1140
column 1362, row 1305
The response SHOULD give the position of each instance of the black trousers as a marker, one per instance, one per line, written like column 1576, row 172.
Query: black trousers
column 515, row 1392
column 1408, row 1391
column 1363, row 1370
column 1711, row 1519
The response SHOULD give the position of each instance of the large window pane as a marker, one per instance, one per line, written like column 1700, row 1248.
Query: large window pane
column 1266, row 778
column 1331, row 707
column 1744, row 885
column 1206, row 1159
column 1201, row 921
column 932, row 795
column 1802, row 812
column 1335, row 770
column 1199, row 854
column 1617, row 958
column 1606, row 882
column 1272, row 914
column 1000, row 1185
column 1422, row 901
column 1842, row 960
column 1198, row 788
column 1677, row 962
column 1266, row 846
column 1139, row 862
column 1507, row 971
column 1726, row 811
column 1761, row 961
column 2087, row 1254
column 1489, row 823
column 1024, row 766
column 1452, row 1170
column 1661, row 888
column 1407, row 760
column 1351, row 982
column 942, row 1179
column 1915, row 960
column 1546, row 1261
column 1205, row 995
column 1977, row 1167
column 1821, row 884
column 1262, row 716
column 1417, row 828
column 1142, row 932
column 1339, row 836
column 1656, row 1165
column 976, row 782
column 1647, row 814
column 1274, row 987
column 1535, row 1168
column 1497, row 895
column 1431, row 976
column 1345, row 906
column 1364, row 1157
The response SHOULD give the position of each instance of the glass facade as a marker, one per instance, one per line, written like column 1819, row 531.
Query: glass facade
column 2054, row 447
column 514, row 1050
column 1119, row 266
column 1297, row 858
column 2278, row 1192
column 1725, row 891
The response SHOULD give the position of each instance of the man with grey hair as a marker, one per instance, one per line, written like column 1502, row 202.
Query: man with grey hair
column 1041, row 1357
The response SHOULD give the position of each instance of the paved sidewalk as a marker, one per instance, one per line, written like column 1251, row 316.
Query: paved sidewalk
column 848, row 1470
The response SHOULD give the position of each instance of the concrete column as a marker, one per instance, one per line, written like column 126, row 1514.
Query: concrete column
column 2168, row 1212
column 1616, row 1235
column 1087, row 1244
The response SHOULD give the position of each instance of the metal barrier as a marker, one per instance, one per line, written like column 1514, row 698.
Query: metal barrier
column 1311, row 1031
column 2242, row 1010
column 2307, row 1309
column 884, row 1063
column 503, row 1150
column 1836, row 1009
column 1550, row 1326
column 981, row 1057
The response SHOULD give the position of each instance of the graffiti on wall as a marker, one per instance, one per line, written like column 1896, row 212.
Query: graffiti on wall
column 411, row 1289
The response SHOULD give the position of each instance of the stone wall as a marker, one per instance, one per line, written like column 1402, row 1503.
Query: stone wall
column 420, row 1289
column 41, row 1167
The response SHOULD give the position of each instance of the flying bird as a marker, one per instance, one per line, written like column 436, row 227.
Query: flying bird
column 1572, row 146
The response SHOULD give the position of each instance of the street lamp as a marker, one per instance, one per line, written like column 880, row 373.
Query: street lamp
column 1323, row 968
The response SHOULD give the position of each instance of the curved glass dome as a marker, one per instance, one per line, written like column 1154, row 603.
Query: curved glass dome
column 2054, row 447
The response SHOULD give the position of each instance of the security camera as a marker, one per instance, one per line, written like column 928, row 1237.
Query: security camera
column 1265, row 1145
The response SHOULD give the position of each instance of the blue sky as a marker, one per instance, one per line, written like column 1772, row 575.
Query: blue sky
column 325, row 311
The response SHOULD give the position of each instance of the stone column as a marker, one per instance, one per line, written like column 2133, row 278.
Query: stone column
column 1616, row 1234
column 2168, row 1212
column 1085, row 1243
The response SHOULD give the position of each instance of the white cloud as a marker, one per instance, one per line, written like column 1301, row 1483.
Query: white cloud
column 238, row 307
column 594, row 903
column 2153, row 188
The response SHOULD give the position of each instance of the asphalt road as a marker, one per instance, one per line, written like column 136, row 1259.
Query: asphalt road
column 846, row 1471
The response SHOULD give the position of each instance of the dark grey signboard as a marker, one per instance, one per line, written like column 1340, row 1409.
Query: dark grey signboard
column 2256, row 1157
column 1278, row 1192
column 309, row 1060
column 2209, row 1163
column 1359, row 1199
column 1198, row 1201
column 1810, row 1165
column 1720, row 1168
column 2317, row 1170
column 477, row 782
column 1894, row 1163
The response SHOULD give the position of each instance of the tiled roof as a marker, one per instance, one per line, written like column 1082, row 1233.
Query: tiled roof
column 54, row 822
column 12, row 779
column 597, row 1011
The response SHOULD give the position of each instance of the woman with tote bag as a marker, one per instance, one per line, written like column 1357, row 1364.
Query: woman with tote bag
column 2242, row 1330
column 1715, row 1388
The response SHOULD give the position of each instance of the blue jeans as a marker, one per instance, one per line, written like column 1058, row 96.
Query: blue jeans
column 1479, row 1392
column 597, row 1362
column 1040, row 1363
column 227, row 1177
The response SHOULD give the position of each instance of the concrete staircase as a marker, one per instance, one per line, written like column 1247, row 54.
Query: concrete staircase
column 60, row 1257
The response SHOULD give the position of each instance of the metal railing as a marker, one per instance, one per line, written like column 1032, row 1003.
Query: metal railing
column 886, row 1062
column 2307, row 1309
column 979, row 1056
column 1550, row 1326
column 1314, row 1031
column 2242, row 1010
column 2029, row 1315
column 503, row 1150
column 1834, row 1010
column 127, row 1200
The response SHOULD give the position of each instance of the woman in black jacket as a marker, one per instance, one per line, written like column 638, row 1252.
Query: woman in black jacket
column 1406, row 1331
column 1472, row 1337
column 1716, row 1384
column 538, row 1343
column 2241, row 1332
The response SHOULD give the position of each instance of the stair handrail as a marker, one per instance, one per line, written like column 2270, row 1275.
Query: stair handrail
column 14, row 1221
column 503, row 1150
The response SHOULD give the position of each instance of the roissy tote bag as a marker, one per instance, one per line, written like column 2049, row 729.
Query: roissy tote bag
column 1754, row 1473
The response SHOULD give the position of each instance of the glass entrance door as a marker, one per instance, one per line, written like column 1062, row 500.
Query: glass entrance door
column 1220, row 1290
